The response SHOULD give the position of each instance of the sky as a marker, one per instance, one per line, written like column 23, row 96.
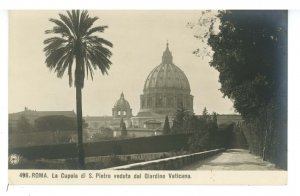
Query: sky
column 139, row 39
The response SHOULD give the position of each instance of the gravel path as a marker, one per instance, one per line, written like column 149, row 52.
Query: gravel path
column 232, row 159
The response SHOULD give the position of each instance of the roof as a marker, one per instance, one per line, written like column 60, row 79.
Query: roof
column 167, row 75
column 52, row 113
column 143, row 130
column 97, row 118
column 152, row 121
column 122, row 103
column 149, row 114
column 35, row 113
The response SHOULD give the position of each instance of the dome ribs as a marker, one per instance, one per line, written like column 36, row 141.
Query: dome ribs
column 165, row 88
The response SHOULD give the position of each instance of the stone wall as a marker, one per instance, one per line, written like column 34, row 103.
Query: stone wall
column 171, row 163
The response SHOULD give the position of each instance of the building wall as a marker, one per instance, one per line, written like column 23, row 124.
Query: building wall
column 138, row 133
column 229, row 118
column 97, row 122
column 165, row 101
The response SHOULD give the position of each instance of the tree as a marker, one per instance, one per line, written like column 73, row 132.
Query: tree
column 106, row 133
column 75, row 40
column 205, row 134
column 55, row 122
column 123, row 128
column 205, row 114
column 178, row 122
column 23, row 124
column 214, row 120
column 250, row 53
column 167, row 128
column 214, row 117
column 192, row 124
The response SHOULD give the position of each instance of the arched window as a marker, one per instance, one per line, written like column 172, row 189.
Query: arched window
column 149, row 102
column 179, row 102
column 170, row 102
column 164, row 104
column 159, row 101
column 153, row 101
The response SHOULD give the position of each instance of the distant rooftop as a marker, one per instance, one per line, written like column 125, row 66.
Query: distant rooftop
column 44, row 113
column 97, row 118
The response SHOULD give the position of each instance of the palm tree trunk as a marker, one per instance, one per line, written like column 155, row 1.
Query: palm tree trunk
column 81, row 163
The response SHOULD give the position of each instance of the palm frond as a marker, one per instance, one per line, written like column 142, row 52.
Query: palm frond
column 53, row 57
column 94, row 41
column 53, row 43
column 89, row 68
column 88, row 23
column 99, row 29
column 82, row 22
column 68, row 23
column 99, row 59
column 63, row 63
column 77, row 41
column 61, row 28
column 74, row 17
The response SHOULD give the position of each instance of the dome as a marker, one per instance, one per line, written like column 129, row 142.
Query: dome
column 121, row 108
column 167, row 75
column 122, row 103
column 166, row 89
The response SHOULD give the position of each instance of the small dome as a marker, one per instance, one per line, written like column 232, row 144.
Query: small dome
column 167, row 75
column 122, row 103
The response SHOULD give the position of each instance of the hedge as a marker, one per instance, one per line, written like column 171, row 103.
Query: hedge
column 161, row 143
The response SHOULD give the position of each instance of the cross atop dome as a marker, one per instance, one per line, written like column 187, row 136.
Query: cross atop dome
column 167, row 57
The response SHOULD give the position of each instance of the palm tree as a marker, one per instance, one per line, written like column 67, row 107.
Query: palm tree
column 75, row 40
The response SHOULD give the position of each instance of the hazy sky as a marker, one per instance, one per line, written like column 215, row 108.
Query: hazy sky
column 139, row 39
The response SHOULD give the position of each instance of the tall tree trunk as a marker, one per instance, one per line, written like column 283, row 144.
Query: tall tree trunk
column 265, row 144
column 266, row 140
column 81, row 163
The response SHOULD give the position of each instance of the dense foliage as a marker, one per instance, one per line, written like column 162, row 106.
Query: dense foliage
column 55, row 123
column 204, row 129
column 187, row 122
column 250, row 53
column 160, row 143
column 104, row 134
column 23, row 124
